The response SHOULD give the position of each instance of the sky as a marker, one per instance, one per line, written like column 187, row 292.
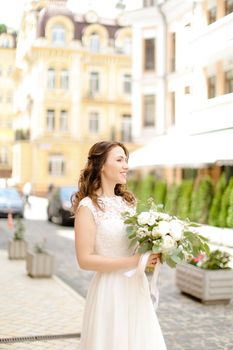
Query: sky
column 11, row 10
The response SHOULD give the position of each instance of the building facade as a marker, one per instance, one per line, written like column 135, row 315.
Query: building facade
column 183, row 77
column 73, row 88
column 7, row 63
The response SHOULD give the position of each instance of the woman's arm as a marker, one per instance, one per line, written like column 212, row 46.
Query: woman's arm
column 85, row 233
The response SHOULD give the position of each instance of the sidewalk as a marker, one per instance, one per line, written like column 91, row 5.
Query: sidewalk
column 37, row 307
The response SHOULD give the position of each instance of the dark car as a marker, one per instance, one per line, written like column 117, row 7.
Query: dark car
column 59, row 204
column 11, row 202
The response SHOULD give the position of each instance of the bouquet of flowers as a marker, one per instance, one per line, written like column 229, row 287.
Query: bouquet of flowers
column 175, row 240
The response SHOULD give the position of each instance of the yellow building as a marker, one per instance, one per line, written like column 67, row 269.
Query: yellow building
column 7, row 62
column 73, row 88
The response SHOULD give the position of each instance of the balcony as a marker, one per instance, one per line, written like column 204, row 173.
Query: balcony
column 217, row 37
column 214, row 114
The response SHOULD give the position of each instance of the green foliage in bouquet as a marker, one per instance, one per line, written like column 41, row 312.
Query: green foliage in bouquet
column 184, row 199
column 201, row 200
column 217, row 260
column 19, row 230
column 216, row 202
column 225, row 203
column 160, row 191
column 172, row 198
column 155, row 231
column 230, row 211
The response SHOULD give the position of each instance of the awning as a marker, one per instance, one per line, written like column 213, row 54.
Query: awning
column 189, row 151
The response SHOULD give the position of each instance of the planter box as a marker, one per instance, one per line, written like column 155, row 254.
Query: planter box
column 210, row 286
column 17, row 249
column 40, row 264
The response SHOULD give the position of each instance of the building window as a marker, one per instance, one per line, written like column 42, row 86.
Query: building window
column 127, row 83
column 148, row 3
column 149, row 54
column 94, row 42
column 149, row 110
column 64, row 79
column 50, row 122
column 63, row 120
column 228, row 6
column 94, row 122
column 51, row 78
column 58, row 35
column 212, row 15
column 127, row 45
column 0, row 71
column 229, row 81
column 5, row 42
column 211, row 82
column 173, row 107
column 173, row 52
column 187, row 90
column 94, row 83
column 126, row 127
column 56, row 165
column 3, row 155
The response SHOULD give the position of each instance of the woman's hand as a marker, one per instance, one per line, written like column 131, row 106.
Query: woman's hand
column 152, row 261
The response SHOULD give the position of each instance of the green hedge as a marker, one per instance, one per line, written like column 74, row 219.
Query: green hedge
column 216, row 202
column 201, row 200
column 160, row 192
column 225, row 204
column 230, row 210
column 144, row 190
column 172, row 198
column 184, row 199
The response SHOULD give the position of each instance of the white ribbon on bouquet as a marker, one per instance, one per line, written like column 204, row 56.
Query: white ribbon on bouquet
column 153, row 283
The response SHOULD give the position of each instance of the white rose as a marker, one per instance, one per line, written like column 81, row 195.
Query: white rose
column 142, row 232
column 163, row 216
column 155, row 232
column 168, row 242
column 163, row 228
column 176, row 229
column 143, row 218
column 152, row 218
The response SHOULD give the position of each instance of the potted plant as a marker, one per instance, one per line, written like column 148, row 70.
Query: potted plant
column 40, row 262
column 208, row 278
column 17, row 246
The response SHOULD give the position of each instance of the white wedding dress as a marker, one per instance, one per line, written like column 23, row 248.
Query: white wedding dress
column 119, row 314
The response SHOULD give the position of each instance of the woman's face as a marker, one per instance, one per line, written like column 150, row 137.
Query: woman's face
column 115, row 168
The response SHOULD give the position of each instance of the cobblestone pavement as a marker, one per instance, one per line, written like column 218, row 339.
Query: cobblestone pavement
column 33, row 307
column 186, row 323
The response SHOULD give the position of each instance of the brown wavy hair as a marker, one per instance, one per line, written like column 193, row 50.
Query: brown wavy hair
column 90, row 177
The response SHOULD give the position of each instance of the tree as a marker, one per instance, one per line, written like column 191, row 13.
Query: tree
column 3, row 28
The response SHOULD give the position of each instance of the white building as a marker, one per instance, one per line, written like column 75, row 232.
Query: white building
column 183, row 83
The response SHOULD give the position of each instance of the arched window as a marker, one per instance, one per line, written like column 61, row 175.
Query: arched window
column 58, row 35
column 94, row 42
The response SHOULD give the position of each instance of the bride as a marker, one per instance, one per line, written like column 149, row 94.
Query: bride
column 119, row 313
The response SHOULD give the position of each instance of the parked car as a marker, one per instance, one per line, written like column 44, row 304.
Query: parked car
column 59, row 204
column 11, row 202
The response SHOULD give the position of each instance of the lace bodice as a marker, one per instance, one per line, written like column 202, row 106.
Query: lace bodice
column 111, row 237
